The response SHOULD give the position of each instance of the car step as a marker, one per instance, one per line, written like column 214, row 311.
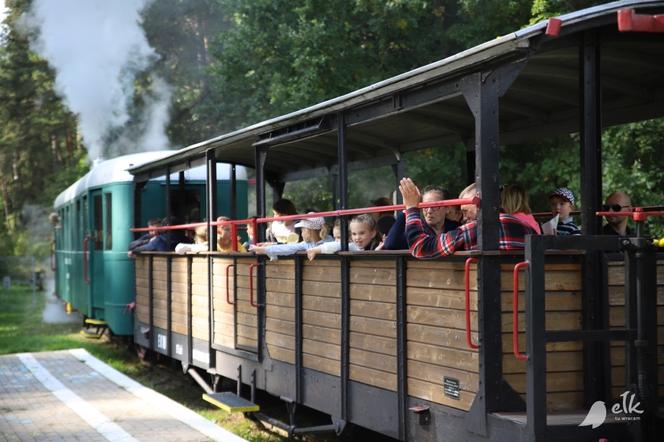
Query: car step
column 230, row 402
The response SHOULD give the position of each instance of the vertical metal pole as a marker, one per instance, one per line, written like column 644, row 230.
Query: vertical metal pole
column 343, row 177
column 535, row 340
column 260, row 157
column 595, row 354
column 481, row 92
column 591, row 133
column 397, row 168
column 169, row 306
column 298, row 329
column 190, row 316
column 233, row 192
column 402, row 385
column 345, row 266
column 211, row 195
column 151, row 301
column 211, row 209
column 168, row 194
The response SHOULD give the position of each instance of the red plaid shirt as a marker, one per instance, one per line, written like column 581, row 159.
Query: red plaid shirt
column 423, row 245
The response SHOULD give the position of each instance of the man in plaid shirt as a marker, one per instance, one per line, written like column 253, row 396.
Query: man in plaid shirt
column 423, row 245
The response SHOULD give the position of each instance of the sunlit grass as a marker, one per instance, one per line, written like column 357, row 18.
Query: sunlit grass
column 22, row 330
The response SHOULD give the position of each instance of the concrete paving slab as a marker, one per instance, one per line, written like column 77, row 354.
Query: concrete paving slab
column 71, row 396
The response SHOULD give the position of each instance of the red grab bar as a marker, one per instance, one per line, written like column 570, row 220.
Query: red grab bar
column 86, row 253
column 515, row 311
column 228, row 289
column 251, row 285
column 469, row 339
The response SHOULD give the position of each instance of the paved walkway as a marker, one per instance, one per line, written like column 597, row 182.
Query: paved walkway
column 72, row 396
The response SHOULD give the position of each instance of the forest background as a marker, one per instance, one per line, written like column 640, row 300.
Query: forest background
column 231, row 63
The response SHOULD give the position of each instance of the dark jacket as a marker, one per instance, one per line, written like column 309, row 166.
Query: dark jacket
column 396, row 238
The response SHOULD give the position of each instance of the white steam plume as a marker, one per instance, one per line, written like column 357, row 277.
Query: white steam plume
column 97, row 47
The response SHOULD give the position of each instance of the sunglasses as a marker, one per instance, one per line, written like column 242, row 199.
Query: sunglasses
column 612, row 207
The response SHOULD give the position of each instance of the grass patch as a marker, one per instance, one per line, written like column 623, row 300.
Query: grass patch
column 22, row 330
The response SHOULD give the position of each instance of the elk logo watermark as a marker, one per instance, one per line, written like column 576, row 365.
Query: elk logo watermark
column 625, row 410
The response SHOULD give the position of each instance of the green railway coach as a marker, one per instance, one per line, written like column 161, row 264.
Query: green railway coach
column 93, row 271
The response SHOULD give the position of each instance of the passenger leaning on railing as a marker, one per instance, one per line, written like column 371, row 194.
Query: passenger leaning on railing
column 435, row 220
column 426, row 245
column 225, row 239
column 314, row 233
column 363, row 235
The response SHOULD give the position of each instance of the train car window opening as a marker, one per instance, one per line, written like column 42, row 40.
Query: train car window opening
column 108, row 200
column 98, row 222
column 186, row 205
column 77, row 225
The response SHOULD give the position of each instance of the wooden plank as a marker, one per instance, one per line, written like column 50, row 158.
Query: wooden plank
column 555, row 362
column 434, row 393
column 243, row 318
column 330, row 320
column 554, row 301
column 423, row 371
column 439, row 317
column 550, row 346
column 443, row 356
column 379, row 344
column 565, row 281
column 280, row 285
column 376, row 293
column 276, row 312
column 322, row 334
column 377, row 310
column 248, row 343
column 442, row 298
column 370, row 376
column 317, row 348
column 617, row 316
column 370, row 326
column 324, row 274
column 280, row 326
column 280, row 299
column 438, row 279
column 442, row 264
column 373, row 263
column 563, row 381
column 377, row 276
column 247, row 331
column 283, row 341
column 554, row 321
column 443, row 336
column 565, row 401
column 321, row 364
column 281, row 354
column 319, row 288
column 370, row 359
column 321, row 304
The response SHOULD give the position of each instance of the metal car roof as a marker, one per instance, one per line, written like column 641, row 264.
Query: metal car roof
column 542, row 101
column 116, row 171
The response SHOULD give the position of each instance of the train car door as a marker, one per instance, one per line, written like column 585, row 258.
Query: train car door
column 95, row 247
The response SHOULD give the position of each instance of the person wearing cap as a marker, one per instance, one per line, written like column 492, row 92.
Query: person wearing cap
column 314, row 232
column 562, row 204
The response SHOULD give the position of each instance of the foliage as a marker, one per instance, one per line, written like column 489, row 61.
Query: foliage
column 232, row 63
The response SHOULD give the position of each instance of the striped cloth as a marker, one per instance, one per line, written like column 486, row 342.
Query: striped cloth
column 423, row 245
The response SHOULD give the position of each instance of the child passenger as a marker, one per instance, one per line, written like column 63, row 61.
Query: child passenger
column 363, row 235
column 314, row 232
column 514, row 201
column 562, row 204
column 200, row 242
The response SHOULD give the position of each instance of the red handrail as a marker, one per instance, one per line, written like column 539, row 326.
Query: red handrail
column 251, row 285
column 358, row 211
column 469, row 338
column 86, row 252
column 228, row 289
column 515, row 311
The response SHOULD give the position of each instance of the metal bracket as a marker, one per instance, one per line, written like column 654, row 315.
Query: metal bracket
column 424, row 413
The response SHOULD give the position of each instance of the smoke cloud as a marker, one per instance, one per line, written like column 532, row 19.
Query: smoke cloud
column 97, row 48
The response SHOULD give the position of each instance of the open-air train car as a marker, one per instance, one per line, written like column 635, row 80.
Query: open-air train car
column 423, row 350
column 93, row 272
